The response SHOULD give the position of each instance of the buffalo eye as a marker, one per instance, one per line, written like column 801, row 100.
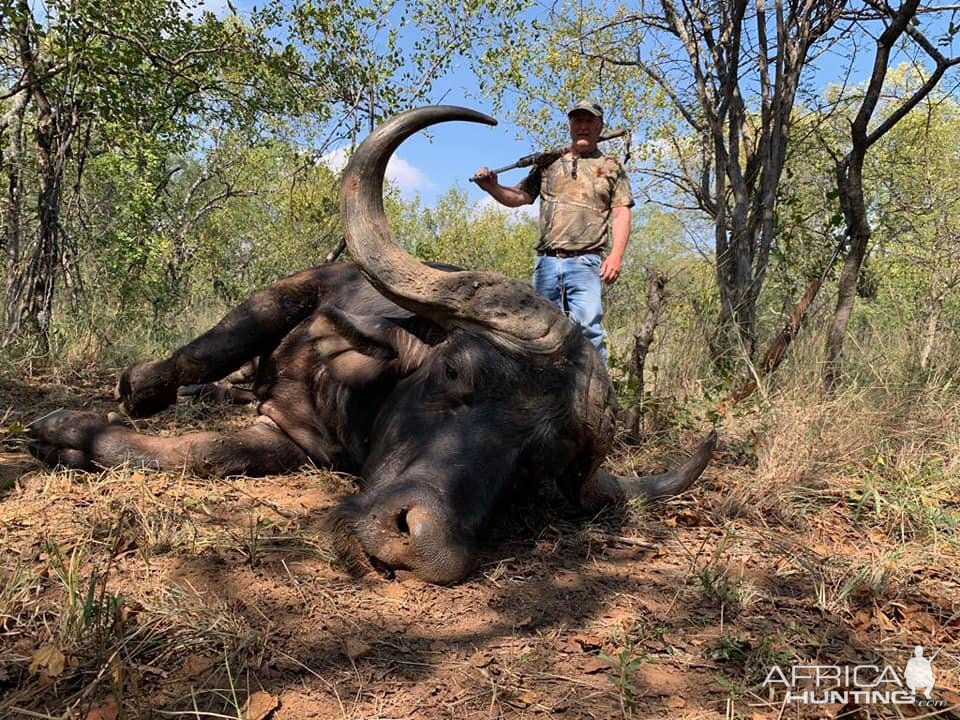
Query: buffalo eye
column 459, row 390
column 450, row 372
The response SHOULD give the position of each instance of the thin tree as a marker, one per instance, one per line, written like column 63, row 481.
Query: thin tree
column 849, row 166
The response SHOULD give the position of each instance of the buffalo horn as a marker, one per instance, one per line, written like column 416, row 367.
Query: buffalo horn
column 507, row 311
column 604, row 488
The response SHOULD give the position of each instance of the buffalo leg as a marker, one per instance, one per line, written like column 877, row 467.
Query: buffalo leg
column 87, row 440
column 251, row 329
column 218, row 392
column 226, row 390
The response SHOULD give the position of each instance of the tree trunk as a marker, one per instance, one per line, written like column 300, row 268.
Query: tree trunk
column 928, row 335
column 850, row 186
column 32, row 293
column 36, row 285
column 41, row 278
column 736, row 327
column 850, row 171
column 12, row 160
column 642, row 339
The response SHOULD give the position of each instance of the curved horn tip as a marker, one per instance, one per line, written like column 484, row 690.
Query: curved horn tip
column 410, row 121
column 457, row 112
column 370, row 158
column 703, row 454
column 711, row 440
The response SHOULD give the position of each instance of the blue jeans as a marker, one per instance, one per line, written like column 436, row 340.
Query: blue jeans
column 573, row 284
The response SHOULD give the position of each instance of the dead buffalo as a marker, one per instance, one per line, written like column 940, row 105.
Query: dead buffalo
column 445, row 391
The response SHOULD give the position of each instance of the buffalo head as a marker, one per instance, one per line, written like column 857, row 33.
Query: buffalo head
column 513, row 394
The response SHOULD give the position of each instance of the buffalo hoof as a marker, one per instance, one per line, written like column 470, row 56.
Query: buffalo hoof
column 64, row 437
column 147, row 388
column 53, row 456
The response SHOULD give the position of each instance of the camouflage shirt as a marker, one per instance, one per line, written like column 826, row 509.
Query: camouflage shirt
column 576, row 199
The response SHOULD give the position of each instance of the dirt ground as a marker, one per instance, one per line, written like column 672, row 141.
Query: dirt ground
column 136, row 594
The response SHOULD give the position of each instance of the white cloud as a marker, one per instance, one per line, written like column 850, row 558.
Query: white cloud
column 409, row 178
column 336, row 160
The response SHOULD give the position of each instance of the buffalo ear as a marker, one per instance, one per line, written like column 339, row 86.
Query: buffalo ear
column 361, row 349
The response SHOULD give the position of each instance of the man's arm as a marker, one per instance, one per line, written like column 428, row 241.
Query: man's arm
column 509, row 196
column 620, row 230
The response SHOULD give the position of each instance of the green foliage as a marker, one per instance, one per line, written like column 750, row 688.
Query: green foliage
column 479, row 238
column 907, row 501
column 189, row 234
column 89, row 612
column 748, row 661
column 173, row 114
column 622, row 666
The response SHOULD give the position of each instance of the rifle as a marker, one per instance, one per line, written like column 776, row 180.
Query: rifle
column 542, row 159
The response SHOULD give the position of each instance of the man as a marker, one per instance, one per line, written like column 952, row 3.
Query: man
column 585, row 197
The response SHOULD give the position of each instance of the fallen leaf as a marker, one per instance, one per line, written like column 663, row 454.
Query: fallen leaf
column 588, row 642
column 117, row 671
column 690, row 517
column 594, row 665
column 820, row 549
column 356, row 649
column 481, row 659
column 259, row 706
column 883, row 621
column 528, row 697
column 110, row 711
column 197, row 664
column 48, row 659
column 926, row 621
column 876, row 536
column 675, row 702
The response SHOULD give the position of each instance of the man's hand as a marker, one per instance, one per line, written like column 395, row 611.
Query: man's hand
column 620, row 235
column 486, row 179
column 610, row 269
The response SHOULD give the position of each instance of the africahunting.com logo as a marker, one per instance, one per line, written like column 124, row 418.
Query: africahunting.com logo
column 861, row 684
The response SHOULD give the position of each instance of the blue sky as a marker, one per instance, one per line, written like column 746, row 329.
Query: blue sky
column 431, row 162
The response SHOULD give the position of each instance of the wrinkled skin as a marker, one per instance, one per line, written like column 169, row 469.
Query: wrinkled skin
column 445, row 391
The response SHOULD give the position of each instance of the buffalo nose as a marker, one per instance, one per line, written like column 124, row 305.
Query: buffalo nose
column 414, row 522
column 403, row 532
column 418, row 538
column 402, row 523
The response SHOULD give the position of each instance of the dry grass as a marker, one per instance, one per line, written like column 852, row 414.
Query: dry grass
column 826, row 531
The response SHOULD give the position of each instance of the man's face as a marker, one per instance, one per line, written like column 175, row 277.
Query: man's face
column 585, row 128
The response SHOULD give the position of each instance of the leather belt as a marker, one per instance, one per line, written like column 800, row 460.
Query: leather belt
column 567, row 253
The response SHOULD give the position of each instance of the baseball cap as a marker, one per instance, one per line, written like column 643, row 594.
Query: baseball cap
column 590, row 106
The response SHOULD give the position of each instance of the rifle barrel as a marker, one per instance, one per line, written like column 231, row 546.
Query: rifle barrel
column 528, row 160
